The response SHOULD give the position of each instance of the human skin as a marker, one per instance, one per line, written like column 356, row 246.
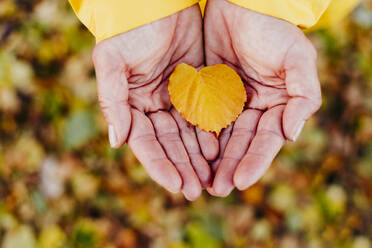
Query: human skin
column 278, row 66
column 273, row 57
column 132, row 72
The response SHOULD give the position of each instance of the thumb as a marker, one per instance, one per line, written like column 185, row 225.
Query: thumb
column 303, row 87
column 112, row 94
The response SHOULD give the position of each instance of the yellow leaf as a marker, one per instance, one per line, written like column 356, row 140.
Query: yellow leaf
column 211, row 99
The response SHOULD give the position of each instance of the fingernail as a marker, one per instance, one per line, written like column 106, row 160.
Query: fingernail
column 299, row 129
column 112, row 136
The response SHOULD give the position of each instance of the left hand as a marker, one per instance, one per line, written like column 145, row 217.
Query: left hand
column 132, row 73
column 278, row 65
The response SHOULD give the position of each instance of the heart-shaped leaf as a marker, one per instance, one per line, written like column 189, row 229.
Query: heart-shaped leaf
column 211, row 99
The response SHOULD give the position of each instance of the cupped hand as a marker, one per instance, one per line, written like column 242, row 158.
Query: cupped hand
column 132, row 71
column 278, row 65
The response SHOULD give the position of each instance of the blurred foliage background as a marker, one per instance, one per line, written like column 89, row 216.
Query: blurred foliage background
column 62, row 186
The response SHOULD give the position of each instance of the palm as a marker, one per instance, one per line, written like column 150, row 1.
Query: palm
column 132, row 71
column 282, row 92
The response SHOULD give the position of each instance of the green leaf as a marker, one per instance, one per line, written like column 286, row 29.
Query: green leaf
column 200, row 237
column 85, row 235
column 38, row 201
column 79, row 130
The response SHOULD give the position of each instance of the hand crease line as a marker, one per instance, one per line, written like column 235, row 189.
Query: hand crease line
column 244, row 130
column 268, row 132
column 170, row 136
column 143, row 138
column 231, row 158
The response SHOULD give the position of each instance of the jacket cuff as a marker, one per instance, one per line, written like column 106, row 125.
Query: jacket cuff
column 303, row 13
column 107, row 18
column 336, row 11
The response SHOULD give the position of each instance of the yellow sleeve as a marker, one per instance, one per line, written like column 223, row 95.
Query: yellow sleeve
column 107, row 18
column 303, row 13
column 336, row 11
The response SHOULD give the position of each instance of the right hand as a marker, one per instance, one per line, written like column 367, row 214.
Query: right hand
column 132, row 72
column 278, row 66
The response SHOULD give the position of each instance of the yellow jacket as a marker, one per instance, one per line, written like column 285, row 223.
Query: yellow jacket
column 107, row 18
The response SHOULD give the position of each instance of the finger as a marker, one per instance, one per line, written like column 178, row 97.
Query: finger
column 208, row 144
column 223, row 140
column 146, row 148
column 303, row 86
column 112, row 94
column 265, row 145
column 241, row 137
column 191, row 144
column 168, row 135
